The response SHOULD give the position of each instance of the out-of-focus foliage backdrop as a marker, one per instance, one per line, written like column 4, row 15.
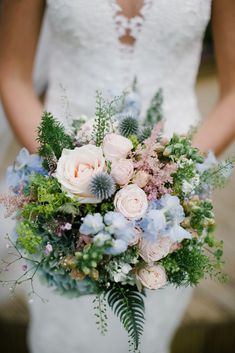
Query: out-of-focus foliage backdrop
column 209, row 323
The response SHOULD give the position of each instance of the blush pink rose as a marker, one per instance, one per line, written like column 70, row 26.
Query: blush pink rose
column 131, row 201
column 138, row 234
column 154, row 251
column 75, row 169
column 152, row 277
column 141, row 178
column 116, row 147
column 122, row 171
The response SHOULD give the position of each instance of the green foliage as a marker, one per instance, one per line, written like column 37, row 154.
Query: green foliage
column 52, row 139
column 47, row 197
column 186, row 266
column 128, row 126
column 134, row 140
column 144, row 133
column 106, row 206
column 218, row 175
column 127, row 303
column 28, row 238
column 90, row 257
column 154, row 113
column 179, row 147
column 184, row 172
column 100, row 307
column 200, row 215
column 103, row 117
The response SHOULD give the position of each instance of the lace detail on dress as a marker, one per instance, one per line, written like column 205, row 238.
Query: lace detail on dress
column 129, row 28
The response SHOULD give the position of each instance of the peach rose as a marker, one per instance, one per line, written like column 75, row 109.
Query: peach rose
column 75, row 169
column 141, row 179
column 154, row 251
column 152, row 277
column 138, row 233
column 131, row 201
column 116, row 147
column 122, row 171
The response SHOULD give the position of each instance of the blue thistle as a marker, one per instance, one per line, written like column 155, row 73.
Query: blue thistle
column 144, row 133
column 128, row 126
column 102, row 185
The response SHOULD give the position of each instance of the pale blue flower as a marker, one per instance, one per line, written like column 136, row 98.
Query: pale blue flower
column 119, row 226
column 209, row 162
column 153, row 223
column 24, row 166
column 171, row 205
column 100, row 238
column 119, row 246
column 177, row 233
column 92, row 224
column 115, row 221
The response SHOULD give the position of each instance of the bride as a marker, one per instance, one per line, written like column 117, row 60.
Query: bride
column 103, row 45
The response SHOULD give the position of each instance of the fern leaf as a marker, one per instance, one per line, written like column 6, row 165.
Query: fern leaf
column 52, row 139
column 128, row 304
column 154, row 113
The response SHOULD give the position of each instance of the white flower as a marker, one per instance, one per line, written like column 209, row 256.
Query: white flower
column 75, row 169
column 188, row 187
column 85, row 133
column 116, row 147
column 131, row 201
column 152, row 277
column 122, row 171
column 154, row 251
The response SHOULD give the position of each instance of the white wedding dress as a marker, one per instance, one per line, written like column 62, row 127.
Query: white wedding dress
column 86, row 54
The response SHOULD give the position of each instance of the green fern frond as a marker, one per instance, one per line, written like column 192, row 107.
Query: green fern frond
column 52, row 139
column 128, row 304
column 154, row 113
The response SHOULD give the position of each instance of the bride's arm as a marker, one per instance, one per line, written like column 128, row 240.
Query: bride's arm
column 218, row 130
column 19, row 30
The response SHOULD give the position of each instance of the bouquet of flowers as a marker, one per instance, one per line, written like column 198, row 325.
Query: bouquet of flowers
column 113, row 208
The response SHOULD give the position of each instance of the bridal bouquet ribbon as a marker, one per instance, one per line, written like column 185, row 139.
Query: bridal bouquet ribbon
column 115, row 209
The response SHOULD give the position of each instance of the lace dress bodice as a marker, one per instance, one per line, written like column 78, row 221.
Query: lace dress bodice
column 87, row 54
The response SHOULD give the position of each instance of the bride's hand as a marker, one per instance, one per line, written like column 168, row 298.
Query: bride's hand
column 218, row 130
column 20, row 28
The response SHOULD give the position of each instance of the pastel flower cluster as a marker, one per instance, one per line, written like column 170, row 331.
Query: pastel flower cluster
column 115, row 206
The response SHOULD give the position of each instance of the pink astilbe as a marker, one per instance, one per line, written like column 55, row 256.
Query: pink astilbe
column 13, row 203
column 160, row 174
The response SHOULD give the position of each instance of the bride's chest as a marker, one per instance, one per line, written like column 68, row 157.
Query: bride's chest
column 99, row 21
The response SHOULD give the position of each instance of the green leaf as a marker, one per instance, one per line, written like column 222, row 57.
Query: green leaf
column 128, row 304
column 52, row 139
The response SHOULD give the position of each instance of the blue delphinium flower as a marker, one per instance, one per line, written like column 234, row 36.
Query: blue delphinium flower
column 163, row 218
column 209, row 162
column 92, row 224
column 100, row 238
column 177, row 233
column 153, row 223
column 119, row 246
column 25, row 165
column 119, row 226
column 172, row 207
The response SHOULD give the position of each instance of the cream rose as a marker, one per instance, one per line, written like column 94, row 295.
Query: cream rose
column 154, row 251
column 131, row 201
column 141, row 178
column 152, row 277
column 75, row 169
column 116, row 147
column 122, row 171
